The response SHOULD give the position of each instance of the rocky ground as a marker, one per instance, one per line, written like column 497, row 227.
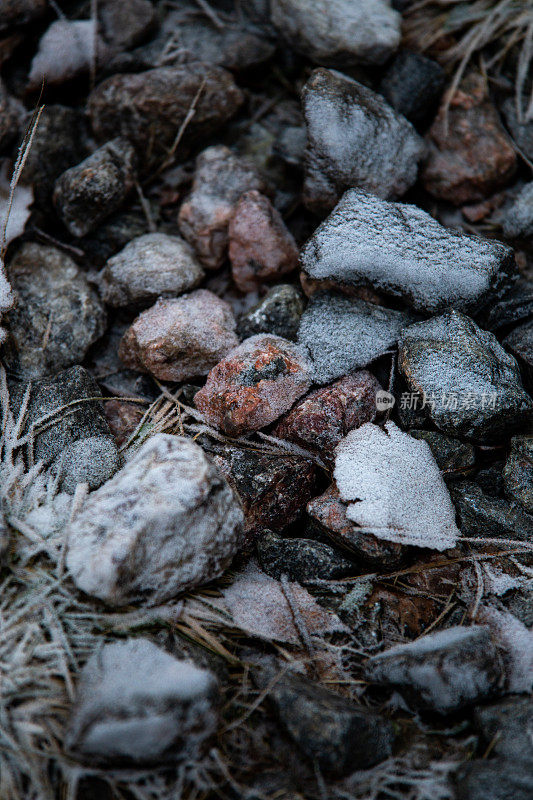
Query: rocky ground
column 266, row 476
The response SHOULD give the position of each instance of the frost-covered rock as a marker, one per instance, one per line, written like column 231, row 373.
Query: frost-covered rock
column 518, row 472
column 342, row 334
column 442, row 671
column 168, row 521
column 91, row 460
column 339, row 32
column 354, row 138
column 518, row 217
column 494, row 779
column 508, row 727
column 137, row 704
column 401, row 250
column 394, row 487
column 515, row 645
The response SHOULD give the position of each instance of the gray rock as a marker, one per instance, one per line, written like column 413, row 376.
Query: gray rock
column 513, row 306
column 520, row 604
column 354, row 138
column 167, row 522
column 58, row 316
column 518, row 217
column 520, row 343
column 125, row 23
column 300, row 559
column 518, row 472
column 491, row 479
column 136, row 704
column 343, row 334
column 450, row 454
column 4, row 537
column 339, row 32
column 150, row 266
column 496, row 779
column 470, row 384
column 441, row 671
column 86, row 194
column 92, row 460
column 11, row 115
column 480, row 514
column 508, row 726
column 413, row 85
column 279, row 312
column 291, row 145
column 388, row 246
column 522, row 132
column 112, row 235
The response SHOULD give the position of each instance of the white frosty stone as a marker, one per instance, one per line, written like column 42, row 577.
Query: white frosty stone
column 339, row 31
column 394, row 487
column 343, row 334
column 168, row 521
column 442, row 671
column 137, row 703
column 518, row 218
column 66, row 50
column 404, row 252
column 515, row 643
column 150, row 266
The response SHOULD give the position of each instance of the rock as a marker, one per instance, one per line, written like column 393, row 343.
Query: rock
column 20, row 12
column 521, row 131
column 149, row 108
column 507, row 726
column 471, row 386
column 11, row 114
column 413, row 85
column 123, row 24
column 112, row 235
column 518, row 472
column 342, row 334
column 4, row 538
column 220, row 179
column 441, row 671
column 450, row 454
column 331, row 730
column 279, row 312
column 518, row 217
column 136, row 704
column 86, row 194
column 260, row 246
column 520, row 343
column 480, row 514
column 326, row 415
column 491, row 479
column 339, row 33
column 300, row 560
column 123, row 418
column 180, row 338
column 167, row 522
column 291, row 145
column 497, row 779
column 470, row 155
column 150, row 266
column 329, row 512
column 369, row 242
column 515, row 305
column 58, row 316
column 354, row 138
column 92, row 460
column 254, row 385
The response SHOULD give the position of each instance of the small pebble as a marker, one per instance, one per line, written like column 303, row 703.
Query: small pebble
column 413, row 85
column 481, row 514
column 300, row 560
column 279, row 312
column 518, row 217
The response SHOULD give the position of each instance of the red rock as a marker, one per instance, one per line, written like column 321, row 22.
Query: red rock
column 470, row 155
column 324, row 417
column 257, row 383
column 122, row 418
column 180, row 338
column 260, row 246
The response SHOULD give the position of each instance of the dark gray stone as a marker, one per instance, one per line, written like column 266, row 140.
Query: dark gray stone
column 517, row 220
column 491, row 479
column 520, row 344
column 20, row 12
column 125, row 23
column 518, row 472
column 520, row 604
column 522, row 132
column 112, row 235
column 12, row 113
column 300, row 559
column 279, row 312
column 508, row 727
column 513, row 306
column 4, row 537
column 413, row 85
column 496, row 779
column 450, row 454
column 480, row 514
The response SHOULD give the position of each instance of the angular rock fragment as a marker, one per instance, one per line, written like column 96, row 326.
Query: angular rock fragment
column 394, row 487
column 413, row 85
column 279, row 312
column 518, row 217
column 402, row 251
column 507, row 725
column 168, row 521
column 136, row 704
column 342, row 334
column 339, row 33
column 180, row 338
column 520, row 343
column 220, row 179
column 450, row 454
column 150, row 266
column 470, row 384
column 254, row 385
column 354, row 138
column 11, row 114
column 480, row 514
column 125, row 23
column 66, row 51
column 260, row 246
column 518, row 472
column 300, row 560
column 442, row 671
column 494, row 779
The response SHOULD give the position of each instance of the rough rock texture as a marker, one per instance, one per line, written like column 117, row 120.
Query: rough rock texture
column 149, row 108
column 339, row 32
column 450, row 454
column 91, row 460
column 518, row 472
column 300, row 559
column 342, row 334
column 4, row 538
column 442, row 671
column 480, row 514
column 180, row 338
column 496, row 779
column 521, row 131
column 122, row 419
column 518, row 217
column 471, row 385
column 135, row 703
column 413, row 85
column 401, row 250
column 520, row 343
column 253, row 386
column 354, row 138
column 58, row 316
column 124, row 23
column 20, row 12
column 507, row 725
column 168, row 521
column 86, row 194
column 150, row 266
column 11, row 114
column 470, row 155
column 220, row 179
column 325, row 416
column 260, row 246
column 279, row 312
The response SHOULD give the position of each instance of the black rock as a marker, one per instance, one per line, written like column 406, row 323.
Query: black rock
column 413, row 85
column 514, row 306
column 491, row 479
column 480, row 514
column 450, row 454
column 507, row 726
column 278, row 312
column 496, row 779
column 520, row 343
column 518, row 472
column 300, row 559
column 20, row 12
column 520, row 604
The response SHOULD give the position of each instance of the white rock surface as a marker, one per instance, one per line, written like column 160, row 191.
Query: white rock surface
column 394, row 487
column 339, row 32
column 401, row 250
column 168, row 521
column 66, row 50
column 137, row 703
column 518, row 218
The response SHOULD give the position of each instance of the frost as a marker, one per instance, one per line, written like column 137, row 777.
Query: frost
column 394, row 487
column 66, row 50
column 19, row 212
column 516, row 644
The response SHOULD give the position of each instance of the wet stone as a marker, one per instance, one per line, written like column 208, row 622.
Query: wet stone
column 518, row 472
column 300, row 560
column 483, row 515
column 413, row 85
column 354, row 138
column 279, row 312
column 494, row 779
column 180, row 338
column 507, row 726
column 450, row 454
